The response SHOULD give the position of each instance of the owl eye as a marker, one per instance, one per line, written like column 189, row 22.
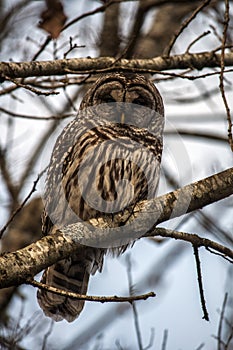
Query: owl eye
column 108, row 99
column 140, row 101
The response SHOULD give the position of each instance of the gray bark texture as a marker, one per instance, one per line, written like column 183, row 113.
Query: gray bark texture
column 19, row 266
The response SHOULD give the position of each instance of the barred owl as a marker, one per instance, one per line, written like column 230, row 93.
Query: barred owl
column 105, row 161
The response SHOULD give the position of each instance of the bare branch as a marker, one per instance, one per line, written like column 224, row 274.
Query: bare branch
column 204, row 34
column 221, row 85
column 184, row 25
column 193, row 134
column 219, row 337
column 200, row 283
column 135, row 313
column 30, row 88
column 36, row 151
column 12, row 189
column 25, row 116
column 112, row 299
column 195, row 240
column 165, row 337
column 17, row 267
column 95, row 65
column 200, row 193
column 17, row 210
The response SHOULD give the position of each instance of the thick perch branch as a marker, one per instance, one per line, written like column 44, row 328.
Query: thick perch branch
column 17, row 267
column 87, row 65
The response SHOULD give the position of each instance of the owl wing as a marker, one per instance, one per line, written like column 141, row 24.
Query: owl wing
column 95, row 172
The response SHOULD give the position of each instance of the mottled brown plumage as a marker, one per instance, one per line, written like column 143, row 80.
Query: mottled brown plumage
column 106, row 160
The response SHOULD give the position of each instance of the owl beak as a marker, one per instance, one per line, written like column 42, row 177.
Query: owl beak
column 122, row 118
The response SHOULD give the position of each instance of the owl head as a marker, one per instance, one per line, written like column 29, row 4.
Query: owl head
column 130, row 88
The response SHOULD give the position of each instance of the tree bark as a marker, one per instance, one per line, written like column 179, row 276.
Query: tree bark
column 96, row 65
column 17, row 267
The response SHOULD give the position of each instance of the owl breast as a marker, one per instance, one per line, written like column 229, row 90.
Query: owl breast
column 105, row 173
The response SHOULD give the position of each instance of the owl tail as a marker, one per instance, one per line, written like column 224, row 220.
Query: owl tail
column 70, row 275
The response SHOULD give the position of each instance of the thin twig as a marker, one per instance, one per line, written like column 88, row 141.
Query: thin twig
column 197, row 39
column 193, row 239
column 183, row 26
column 4, row 166
column 151, row 341
column 201, row 346
column 93, row 12
column 230, row 337
column 194, row 134
column 135, row 313
column 221, row 77
column 72, row 47
column 69, row 100
column 111, row 299
column 22, row 204
column 182, row 76
column 145, row 70
column 165, row 337
column 43, row 46
column 47, row 83
column 47, row 334
column 8, row 90
column 30, row 88
column 210, row 225
column 24, row 116
column 200, row 284
column 203, row 96
column 220, row 325
column 215, row 253
column 37, row 150
column 75, row 20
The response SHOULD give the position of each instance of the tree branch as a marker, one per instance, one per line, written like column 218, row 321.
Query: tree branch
column 200, row 284
column 11, row 70
column 195, row 240
column 100, row 299
column 184, row 25
column 17, row 267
